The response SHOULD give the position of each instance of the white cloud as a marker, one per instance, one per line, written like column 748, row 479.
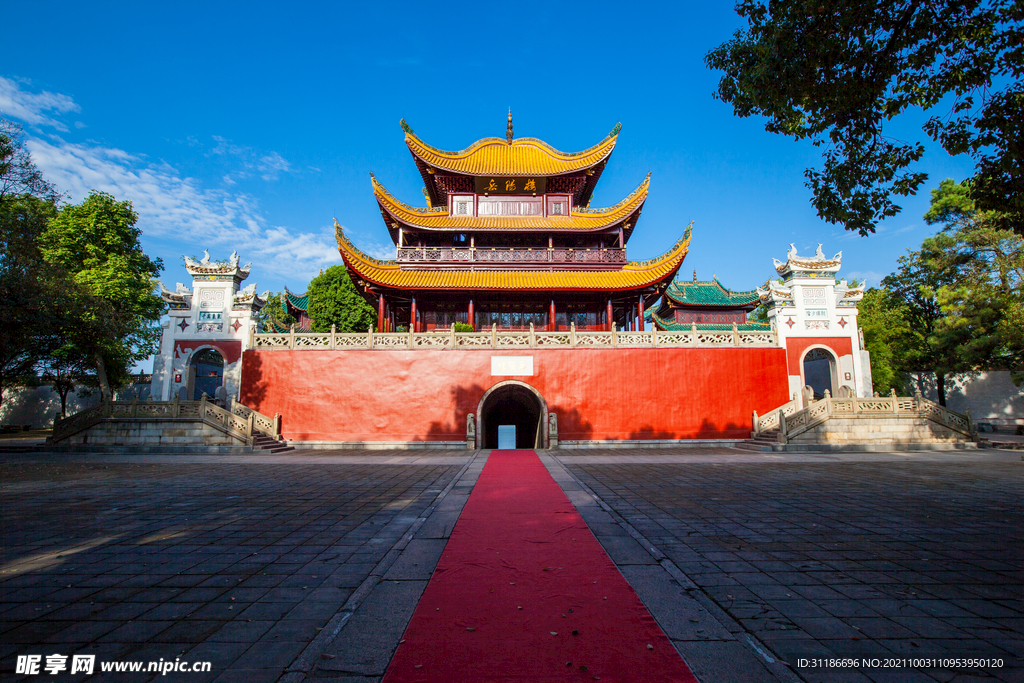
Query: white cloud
column 270, row 165
column 33, row 108
column 172, row 207
column 177, row 212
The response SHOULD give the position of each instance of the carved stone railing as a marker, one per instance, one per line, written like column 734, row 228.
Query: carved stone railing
column 507, row 255
column 770, row 421
column 240, row 421
column 516, row 339
column 78, row 422
column 793, row 424
column 269, row 426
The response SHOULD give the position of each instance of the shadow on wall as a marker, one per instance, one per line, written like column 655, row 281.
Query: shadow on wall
column 465, row 400
column 571, row 425
column 254, row 385
column 647, row 432
column 708, row 430
column 731, row 430
column 39, row 405
column 990, row 394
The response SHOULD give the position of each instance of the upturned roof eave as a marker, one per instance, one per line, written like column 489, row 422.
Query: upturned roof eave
column 386, row 274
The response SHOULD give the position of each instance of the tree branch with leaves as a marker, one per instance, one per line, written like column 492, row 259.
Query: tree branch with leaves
column 835, row 72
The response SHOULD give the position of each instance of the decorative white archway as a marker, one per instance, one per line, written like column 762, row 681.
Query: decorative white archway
column 507, row 385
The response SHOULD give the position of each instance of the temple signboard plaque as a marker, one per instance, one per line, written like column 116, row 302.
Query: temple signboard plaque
column 507, row 185
column 514, row 366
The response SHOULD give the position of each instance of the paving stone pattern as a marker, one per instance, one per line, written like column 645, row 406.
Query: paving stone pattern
column 238, row 564
column 891, row 558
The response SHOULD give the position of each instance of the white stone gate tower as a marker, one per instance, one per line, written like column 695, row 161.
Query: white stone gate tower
column 816, row 319
column 213, row 314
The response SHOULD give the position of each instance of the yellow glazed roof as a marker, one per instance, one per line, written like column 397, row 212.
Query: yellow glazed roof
column 523, row 156
column 633, row 275
column 577, row 220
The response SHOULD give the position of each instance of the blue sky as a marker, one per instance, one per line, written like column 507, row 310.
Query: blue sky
column 251, row 126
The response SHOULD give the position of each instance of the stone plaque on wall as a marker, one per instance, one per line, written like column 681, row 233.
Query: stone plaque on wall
column 521, row 366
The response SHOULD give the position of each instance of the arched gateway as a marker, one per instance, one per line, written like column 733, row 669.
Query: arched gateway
column 206, row 372
column 819, row 370
column 512, row 404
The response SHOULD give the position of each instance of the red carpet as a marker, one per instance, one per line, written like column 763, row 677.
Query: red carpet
column 524, row 592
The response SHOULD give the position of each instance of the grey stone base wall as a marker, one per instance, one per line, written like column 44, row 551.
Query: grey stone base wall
column 379, row 445
column 159, row 433
column 649, row 443
column 885, row 431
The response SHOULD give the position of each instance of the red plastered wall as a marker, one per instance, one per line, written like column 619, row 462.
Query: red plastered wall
column 596, row 393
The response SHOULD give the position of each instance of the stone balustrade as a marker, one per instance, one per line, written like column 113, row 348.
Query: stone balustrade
column 238, row 421
column 519, row 339
column 792, row 422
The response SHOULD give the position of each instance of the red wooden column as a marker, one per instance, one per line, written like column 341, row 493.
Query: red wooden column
column 640, row 309
column 412, row 316
column 380, row 313
column 608, row 320
column 472, row 316
column 552, row 320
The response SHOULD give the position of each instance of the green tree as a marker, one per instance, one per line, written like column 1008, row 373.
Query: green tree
column 112, row 309
column 836, row 71
column 885, row 331
column 66, row 368
column 27, row 304
column 927, row 345
column 274, row 312
column 333, row 300
column 983, row 304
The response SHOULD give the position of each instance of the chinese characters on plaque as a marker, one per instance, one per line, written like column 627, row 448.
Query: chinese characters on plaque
column 495, row 185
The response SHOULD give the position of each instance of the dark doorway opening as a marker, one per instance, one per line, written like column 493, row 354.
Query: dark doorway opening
column 513, row 404
column 208, row 366
column 820, row 372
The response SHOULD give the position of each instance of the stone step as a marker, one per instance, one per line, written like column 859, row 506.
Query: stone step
column 753, row 446
column 20, row 449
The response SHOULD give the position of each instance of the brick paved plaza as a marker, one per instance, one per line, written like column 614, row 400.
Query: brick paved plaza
column 308, row 566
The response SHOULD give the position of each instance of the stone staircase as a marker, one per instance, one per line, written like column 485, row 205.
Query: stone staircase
column 261, row 442
column 876, row 423
column 761, row 443
column 157, row 426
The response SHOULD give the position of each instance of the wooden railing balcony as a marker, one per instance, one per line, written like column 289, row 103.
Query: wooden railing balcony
column 509, row 255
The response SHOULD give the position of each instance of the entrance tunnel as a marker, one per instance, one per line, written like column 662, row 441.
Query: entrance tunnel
column 515, row 405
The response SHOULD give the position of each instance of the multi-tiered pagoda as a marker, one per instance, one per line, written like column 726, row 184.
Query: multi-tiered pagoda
column 508, row 238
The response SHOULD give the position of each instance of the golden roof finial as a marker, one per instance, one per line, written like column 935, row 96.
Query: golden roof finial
column 694, row 274
column 508, row 132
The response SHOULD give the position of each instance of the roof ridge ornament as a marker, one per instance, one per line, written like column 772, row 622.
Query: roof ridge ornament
column 804, row 266
column 615, row 130
column 405, row 126
column 508, row 130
